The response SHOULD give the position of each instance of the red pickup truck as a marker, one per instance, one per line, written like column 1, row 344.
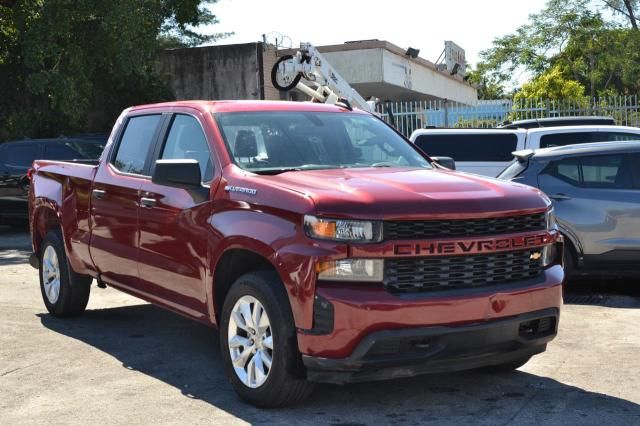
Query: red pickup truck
column 322, row 244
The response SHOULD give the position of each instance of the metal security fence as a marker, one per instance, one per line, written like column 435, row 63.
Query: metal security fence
column 412, row 115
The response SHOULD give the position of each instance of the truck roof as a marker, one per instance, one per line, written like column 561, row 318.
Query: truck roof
column 254, row 105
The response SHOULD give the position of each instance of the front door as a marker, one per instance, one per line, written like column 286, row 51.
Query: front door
column 174, row 229
column 115, row 197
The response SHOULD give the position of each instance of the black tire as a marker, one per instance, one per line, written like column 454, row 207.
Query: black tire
column 274, row 75
column 285, row 384
column 74, row 288
column 507, row 367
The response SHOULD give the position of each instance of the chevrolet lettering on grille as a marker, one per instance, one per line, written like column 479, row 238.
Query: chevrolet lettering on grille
column 469, row 246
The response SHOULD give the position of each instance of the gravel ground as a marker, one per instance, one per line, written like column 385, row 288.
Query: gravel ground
column 126, row 361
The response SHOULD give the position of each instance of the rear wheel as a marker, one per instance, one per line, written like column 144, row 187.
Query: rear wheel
column 64, row 292
column 258, row 343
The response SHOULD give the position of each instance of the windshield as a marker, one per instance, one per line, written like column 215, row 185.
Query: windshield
column 277, row 141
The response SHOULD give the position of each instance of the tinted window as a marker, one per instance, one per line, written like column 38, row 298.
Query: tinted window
column 562, row 139
column 469, row 147
column 59, row 151
column 604, row 171
column 135, row 143
column 634, row 164
column 269, row 142
column 20, row 155
column 598, row 171
column 186, row 140
column 615, row 136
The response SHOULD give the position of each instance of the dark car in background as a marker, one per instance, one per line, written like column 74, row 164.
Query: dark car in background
column 16, row 158
column 595, row 190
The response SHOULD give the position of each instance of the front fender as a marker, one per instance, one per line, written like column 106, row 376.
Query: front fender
column 280, row 240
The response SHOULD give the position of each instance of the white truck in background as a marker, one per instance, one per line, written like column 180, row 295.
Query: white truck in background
column 488, row 151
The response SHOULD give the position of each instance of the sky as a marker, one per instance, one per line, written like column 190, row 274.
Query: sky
column 425, row 25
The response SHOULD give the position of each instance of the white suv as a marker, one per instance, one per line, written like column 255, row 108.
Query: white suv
column 488, row 151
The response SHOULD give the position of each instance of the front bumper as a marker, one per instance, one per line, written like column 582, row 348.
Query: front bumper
column 398, row 353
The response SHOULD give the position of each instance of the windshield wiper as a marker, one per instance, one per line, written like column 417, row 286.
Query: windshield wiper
column 278, row 170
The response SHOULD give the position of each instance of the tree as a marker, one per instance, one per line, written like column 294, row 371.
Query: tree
column 551, row 84
column 626, row 8
column 61, row 59
column 488, row 86
column 600, row 54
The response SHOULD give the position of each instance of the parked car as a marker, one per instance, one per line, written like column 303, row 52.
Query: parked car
column 17, row 156
column 323, row 245
column 558, row 121
column 488, row 151
column 595, row 190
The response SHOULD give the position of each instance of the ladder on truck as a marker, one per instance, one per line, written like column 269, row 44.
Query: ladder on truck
column 322, row 82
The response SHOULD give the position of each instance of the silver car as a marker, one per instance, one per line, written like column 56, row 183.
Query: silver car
column 595, row 190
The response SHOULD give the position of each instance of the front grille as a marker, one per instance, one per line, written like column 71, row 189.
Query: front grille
column 414, row 230
column 439, row 273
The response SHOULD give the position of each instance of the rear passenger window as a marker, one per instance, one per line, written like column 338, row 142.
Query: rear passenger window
column 135, row 143
column 604, row 171
column 186, row 140
column 469, row 147
column 598, row 171
column 562, row 139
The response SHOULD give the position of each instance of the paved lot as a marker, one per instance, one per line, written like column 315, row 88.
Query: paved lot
column 127, row 362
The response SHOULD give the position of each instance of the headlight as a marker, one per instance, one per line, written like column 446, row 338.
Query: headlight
column 351, row 270
column 549, row 255
column 551, row 220
column 359, row 231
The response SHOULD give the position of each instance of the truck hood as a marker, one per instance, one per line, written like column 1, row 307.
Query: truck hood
column 388, row 193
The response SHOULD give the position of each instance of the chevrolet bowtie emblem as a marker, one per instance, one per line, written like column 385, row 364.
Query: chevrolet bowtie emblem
column 535, row 255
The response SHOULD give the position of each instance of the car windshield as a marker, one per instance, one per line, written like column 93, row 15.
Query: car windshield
column 272, row 142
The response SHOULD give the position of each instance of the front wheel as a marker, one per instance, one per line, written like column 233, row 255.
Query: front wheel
column 64, row 292
column 258, row 343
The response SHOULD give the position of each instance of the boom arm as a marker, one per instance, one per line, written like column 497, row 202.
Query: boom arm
column 327, row 86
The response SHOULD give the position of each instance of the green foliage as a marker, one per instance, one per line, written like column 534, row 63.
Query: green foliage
column 489, row 86
column 573, row 37
column 551, row 84
column 62, row 59
column 476, row 123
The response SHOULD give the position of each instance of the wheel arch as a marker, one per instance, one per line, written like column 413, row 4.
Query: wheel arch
column 240, row 256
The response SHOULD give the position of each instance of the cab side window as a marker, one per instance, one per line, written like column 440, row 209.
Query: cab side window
column 186, row 140
column 135, row 143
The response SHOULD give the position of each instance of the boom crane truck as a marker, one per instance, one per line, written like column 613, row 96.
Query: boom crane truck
column 325, row 84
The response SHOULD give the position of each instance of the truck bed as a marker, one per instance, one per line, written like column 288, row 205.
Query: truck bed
column 67, row 185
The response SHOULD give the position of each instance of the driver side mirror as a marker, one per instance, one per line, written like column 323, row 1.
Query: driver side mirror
column 447, row 162
column 178, row 173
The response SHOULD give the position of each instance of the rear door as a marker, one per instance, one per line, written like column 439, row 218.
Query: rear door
column 115, row 197
column 174, row 229
column 595, row 197
column 483, row 153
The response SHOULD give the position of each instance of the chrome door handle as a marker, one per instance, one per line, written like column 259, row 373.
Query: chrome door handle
column 560, row 197
column 98, row 193
column 147, row 202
